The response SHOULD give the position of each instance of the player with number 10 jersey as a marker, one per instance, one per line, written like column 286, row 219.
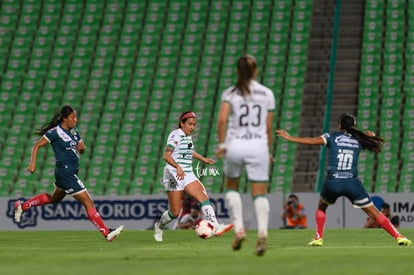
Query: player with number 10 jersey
column 342, row 156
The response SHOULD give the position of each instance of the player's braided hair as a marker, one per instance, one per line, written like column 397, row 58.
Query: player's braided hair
column 372, row 143
column 56, row 120
column 246, row 69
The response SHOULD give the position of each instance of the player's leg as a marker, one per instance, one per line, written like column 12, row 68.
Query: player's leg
column 174, row 207
column 233, row 165
column 196, row 190
column 94, row 216
column 330, row 192
column 262, row 208
column 257, row 169
column 68, row 180
column 360, row 198
column 173, row 211
column 320, row 219
column 174, row 190
column 235, row 206
column 385, row 223
column 41, row 199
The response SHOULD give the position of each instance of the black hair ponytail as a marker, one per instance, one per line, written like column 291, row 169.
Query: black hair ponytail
column 372, row 143
column 56, row 120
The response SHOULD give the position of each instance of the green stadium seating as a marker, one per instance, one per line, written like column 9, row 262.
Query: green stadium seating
column 130, row 68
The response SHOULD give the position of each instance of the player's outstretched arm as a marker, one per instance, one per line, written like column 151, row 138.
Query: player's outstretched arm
column 301, row 140
column 201, row 158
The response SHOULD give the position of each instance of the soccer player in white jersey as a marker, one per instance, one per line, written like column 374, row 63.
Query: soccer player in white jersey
column 245, row 135
column 179, row 177
column 61, row 133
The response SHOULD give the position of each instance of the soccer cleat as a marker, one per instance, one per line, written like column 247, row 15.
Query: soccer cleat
column 223, row 228
column 402, row 241
column 158, row 232
column 316, row 242
column 238, row 240
column 261, row 246
column 113, row 233
column 18, row 211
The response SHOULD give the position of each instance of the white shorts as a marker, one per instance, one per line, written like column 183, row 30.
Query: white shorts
column 171, row 183
column 250, row 154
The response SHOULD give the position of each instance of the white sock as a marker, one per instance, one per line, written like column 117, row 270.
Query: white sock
column 209, row 214
column 165, row 219
column 235, row 206
column 261, row 205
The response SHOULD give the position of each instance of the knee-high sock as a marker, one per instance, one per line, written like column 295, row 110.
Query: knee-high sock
column 96, row 220
column 166, row 218
column 235, row 206
column 387, row 225
column 320, row 218
column 36, row 201
column 261, row 205
column 208, row 212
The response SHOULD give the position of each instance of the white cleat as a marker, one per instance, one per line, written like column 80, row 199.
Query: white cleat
column 158, row 232
column 223, row 228
column 113, row 233
column 18, row 211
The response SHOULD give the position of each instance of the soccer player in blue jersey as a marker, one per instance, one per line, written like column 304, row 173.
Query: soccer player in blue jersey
column 61, row 133
column 342, row 174
column 179, row 177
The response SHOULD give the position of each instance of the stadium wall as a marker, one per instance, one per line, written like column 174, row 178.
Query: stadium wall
column 139, row 213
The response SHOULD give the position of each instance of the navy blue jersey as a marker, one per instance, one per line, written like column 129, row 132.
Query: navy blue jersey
column 343, row 152
column 64, row 143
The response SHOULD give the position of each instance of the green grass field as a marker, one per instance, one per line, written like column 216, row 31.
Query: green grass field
column 346, row 251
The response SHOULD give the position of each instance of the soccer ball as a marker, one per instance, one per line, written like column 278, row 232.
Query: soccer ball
column 204, row 229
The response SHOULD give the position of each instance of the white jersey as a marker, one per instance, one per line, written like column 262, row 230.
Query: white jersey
column 248, row 114
column 183, row 150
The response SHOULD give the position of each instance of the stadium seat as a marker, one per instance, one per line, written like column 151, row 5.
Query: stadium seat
column 132, row 68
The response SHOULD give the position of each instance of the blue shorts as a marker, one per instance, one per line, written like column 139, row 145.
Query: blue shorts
column 352, row 189
column 67, row 180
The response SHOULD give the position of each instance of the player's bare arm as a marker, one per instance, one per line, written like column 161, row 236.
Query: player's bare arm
column 169, row 159
column 203, row 159
column 301, row 140
column 40, row 143
column 269, row 123
column 222, row 128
